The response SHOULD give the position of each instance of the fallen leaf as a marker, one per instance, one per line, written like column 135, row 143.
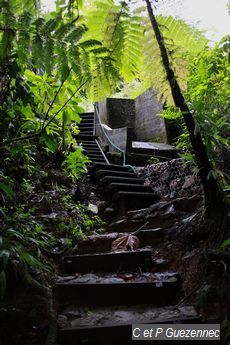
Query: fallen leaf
column 126, row 242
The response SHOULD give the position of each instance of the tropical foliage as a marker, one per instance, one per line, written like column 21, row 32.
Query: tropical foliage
column 50, row 62
column 208, row 96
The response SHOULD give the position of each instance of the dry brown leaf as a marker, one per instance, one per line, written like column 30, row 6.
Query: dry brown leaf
column 126, row 242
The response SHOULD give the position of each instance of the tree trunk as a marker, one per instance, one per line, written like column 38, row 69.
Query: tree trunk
column 214, row 196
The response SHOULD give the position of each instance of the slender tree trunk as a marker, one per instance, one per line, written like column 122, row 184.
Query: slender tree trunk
column 214, row 197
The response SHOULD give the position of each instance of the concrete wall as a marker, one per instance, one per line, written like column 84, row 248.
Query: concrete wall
column 103, row 112
column 121, row 112
column 121, row 137
column 140, row 114
column 148, row 125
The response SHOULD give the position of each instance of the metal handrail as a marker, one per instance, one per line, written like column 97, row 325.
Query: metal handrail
column 107, row 137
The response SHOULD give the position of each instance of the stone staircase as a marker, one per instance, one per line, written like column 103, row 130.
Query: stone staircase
column 122, row 187
column 88, row 140
column 101, row 291
column 101, row 295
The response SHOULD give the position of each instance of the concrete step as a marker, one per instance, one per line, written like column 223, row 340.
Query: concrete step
column 115, row 187
column 94, row 151
column 90, row 145
column 109, row 262
column 97, row 243
column 87, row 120
column 83, row 137
column 86, row 124
column 86, row 132
column 109, row 167
column 117, row 289
column 94, row 155
column 102, row 173
column 97, row 160
column 120, row 179
column 88, row 141
column 103, row 243
column 127, row 201
column 87, row 115
column 113, row 325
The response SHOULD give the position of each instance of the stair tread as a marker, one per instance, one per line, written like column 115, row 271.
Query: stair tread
column 94, row 289
column 121, row 184
column 94, row 154
column 92, row 149
column 111, row 279
column 85, row 131
column 80, row 136
column 88, row 142
column 122, row 179
column 109, row 261
column 128, row 193
column 117, row 253
column 76, row 317
column 87, row 114
column 109, row 172
column 111, row 167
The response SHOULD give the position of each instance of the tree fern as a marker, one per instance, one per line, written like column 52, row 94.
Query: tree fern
column 182, row 42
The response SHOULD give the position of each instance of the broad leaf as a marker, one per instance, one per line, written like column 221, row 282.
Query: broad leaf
column 8, row 190
column 126, row 242
column 2, row 284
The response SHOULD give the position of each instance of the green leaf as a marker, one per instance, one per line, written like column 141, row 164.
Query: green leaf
column 30, row 260
column 50, row 142
column 2, row 284
column 8, row 190
column 2, row 212
column 226, row 243
column 14, row 233
column 211, row 173
column 4, row 257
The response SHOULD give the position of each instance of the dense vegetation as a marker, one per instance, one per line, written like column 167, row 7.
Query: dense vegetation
column 49, row 65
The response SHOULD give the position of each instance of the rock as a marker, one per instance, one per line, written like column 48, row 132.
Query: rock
column 158, row 206
column 151, row 236
column 62, row 320
column 65, row 279
column 147, row 182
column 93, row 208
column 86, row 278
column 189, row 181
column 170, row 210
column 72, row 314
column 125, row 225
column 172, row 195
column 188, row 204
column 77, row 195
column 188, row 311
column 112, row 280
column 174, row 184
column 101, row 206
column 97, row 243
column 191, row 254
column 160, row 221
column 52, row 215
column 165, row 175
column 109, row 212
